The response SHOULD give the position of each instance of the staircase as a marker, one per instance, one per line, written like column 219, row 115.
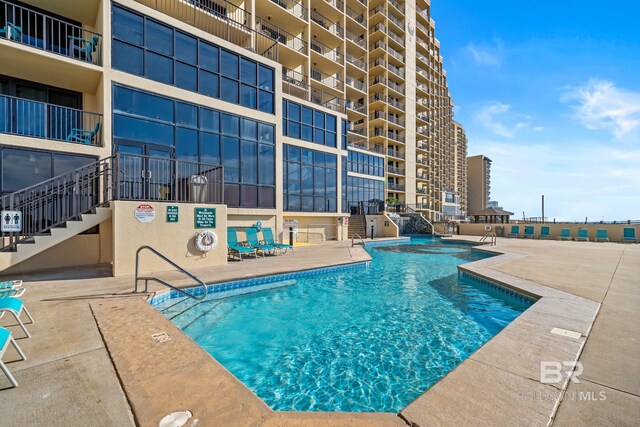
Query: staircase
column 40, row 243
column 357, row 225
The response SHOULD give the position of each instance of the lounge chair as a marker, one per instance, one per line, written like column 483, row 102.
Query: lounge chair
column 583, row 235
column 544, row 232
column 16, row 307
column 10, row 284
column 515, row 231
column 12, row 292
column 602, row 235
column 236, row 248
column 83, row 48
column 252, row 239
column 528, row 231
column 267, row 234
column 83, row 135
column 11, row 31
column 565, row 234
column 5, row 339
column 629, row 235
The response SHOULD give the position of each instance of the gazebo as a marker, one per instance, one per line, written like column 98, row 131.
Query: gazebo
column 492, row 215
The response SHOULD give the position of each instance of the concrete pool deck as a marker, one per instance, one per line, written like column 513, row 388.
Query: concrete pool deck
column 69, row 377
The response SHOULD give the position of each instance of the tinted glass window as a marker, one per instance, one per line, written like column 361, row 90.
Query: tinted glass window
column 127, row 58
column 159, row 38
column 229, row 90
column 208, row 57
column 128, row 26
column 266, row 78
column 229, row 64
column 248, row 72
column 159, row 68
column 186, row 77
column 186, row 48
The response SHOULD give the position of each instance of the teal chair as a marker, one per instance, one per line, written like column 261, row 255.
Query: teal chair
column 82, row 135
column 565, row 234
column 83, row 48
column 583, row 235
column 267, row 235
column 11, row 32
column 234, row 247
column 602, row 235
column 15, row 307
column 10, row 284
column 544, row 233
column 629, row 235
column 528, row 232
column 515, row 231
column 252, row 239
column 5, row 340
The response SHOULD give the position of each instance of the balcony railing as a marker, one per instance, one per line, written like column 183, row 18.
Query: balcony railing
column 338, row 4
column 395, row 170
column 324, row 22
column 221, row 19
column 359, row 40
column 358, row 17
column 295, row 84
column 357, row 84
column 397, row 5
column 394, row 153
column 357, row 107
column 293, row 7
column 24, row 117
column 356, row 62
column 281, row 36
column 395, row 187
column 26, row 26
column 326, row 79
column 332, row 54
column 396, row 21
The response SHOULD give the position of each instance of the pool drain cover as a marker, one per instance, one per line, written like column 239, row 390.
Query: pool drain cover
column 161, row 337
column 175, row 419
column 566, row 333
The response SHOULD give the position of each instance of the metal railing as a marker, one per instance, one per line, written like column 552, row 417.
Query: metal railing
column 324, row 22
column 395, row 170
column 356, row 62
column 281, row 36
column 24, row 117
column 395, row 187
column 35, row 29
column 357, row 106
column 147, row 279
column 295, row 84
column 122, row 176
column 332, row 54
column 357, row 84
column 359, row 238
column 359, row 40
column 393, row 153
column 331, row 81
column 358, row 17
column 293, row 7
column 221, row 19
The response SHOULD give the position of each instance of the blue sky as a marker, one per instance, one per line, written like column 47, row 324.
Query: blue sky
column 551, row 93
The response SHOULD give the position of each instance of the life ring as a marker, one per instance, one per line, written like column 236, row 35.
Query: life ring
column 487, row 228
column 206, row 240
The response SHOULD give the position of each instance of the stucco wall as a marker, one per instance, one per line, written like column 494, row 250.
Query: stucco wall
column 384, row 226
column 615, row 230
column 174, row 240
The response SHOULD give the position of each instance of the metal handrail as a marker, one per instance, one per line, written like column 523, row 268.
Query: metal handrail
column 358, row 236
column 162, row 282
column 492, row 236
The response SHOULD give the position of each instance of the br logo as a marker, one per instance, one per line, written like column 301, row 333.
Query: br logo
column 552, row 372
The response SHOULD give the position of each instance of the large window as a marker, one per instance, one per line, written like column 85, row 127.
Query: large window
column 308, row 124
column 147, row 48
column 245, row 147
column 367, row 191
column 366, row 164
column 22, row 168
column 310, row 180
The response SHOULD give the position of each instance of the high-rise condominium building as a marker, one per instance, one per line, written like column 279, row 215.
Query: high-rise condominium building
column 313, row 108
column 479, row 183
column 460, row 174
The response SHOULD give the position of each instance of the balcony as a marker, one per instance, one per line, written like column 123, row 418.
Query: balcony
column 422, row 191
column 293, row 7
column 283, row 37
column 34, row 29
column 356, row 84
column 358, row 63
column 295, row 84
column 395, row 170
column 333, row 82
column 33, row 119
column 394, row 153
column 333, row 55
column 324, row 22
column 357, row 107
column 395, row 187
column 358, row 17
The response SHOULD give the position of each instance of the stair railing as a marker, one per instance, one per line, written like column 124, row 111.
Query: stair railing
column 147, row 279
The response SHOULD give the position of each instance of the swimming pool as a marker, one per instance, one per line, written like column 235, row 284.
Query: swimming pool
column 368, row 339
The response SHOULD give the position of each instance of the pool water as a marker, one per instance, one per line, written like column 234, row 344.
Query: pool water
column 367, row 340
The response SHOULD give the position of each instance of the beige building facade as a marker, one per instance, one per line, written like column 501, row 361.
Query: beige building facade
column 478, row 183
column 297, row 114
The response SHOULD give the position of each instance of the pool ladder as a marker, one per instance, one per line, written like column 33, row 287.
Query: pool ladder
column 491, row 236
column 162, row 282
column 358, row 236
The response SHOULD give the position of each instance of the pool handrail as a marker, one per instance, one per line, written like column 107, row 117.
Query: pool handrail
column 353, row 236
column 162, row 282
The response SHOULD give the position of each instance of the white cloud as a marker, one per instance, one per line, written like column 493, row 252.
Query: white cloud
column 498, row 118
column 578, row 178
column 599, row 104
column 486, row 55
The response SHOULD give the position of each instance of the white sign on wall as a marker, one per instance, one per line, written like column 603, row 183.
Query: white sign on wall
column 144, row 213
column 293, row 223
column 11, row 221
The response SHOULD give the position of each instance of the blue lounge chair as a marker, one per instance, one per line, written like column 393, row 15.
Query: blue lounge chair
column 515, row 231
column 602, row 235
column 11, row 31
column 5, row 339
column 12, row 292
column 544, row 232
column 234, row 247
column 583, row 235
column 267, row 234
column 565, row 234
column 252, row 239
column 10, row 284
column 83, row 48
column 82, row 135
column 629, row 235
column 16, row 308
column 528, row 231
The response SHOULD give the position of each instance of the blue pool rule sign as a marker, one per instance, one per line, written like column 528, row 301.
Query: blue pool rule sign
column 205, row 217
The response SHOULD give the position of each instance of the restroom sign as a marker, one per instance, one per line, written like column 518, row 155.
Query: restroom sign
column 144, row 213
column 11, row 221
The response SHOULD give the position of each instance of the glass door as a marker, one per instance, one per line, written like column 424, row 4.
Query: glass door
column 146, row 171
